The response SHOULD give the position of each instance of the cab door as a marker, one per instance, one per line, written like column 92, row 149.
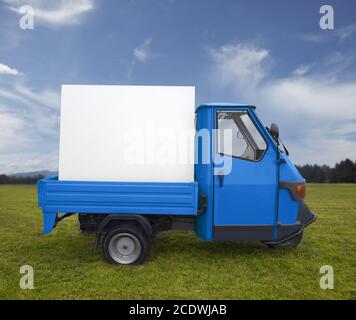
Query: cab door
column 245, row 178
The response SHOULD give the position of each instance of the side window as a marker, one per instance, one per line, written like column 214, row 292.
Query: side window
column 238, row 136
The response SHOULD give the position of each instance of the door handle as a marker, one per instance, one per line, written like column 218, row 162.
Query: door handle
column 221, row 178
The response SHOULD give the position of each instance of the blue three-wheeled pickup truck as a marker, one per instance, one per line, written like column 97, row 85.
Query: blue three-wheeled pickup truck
column 244, row 190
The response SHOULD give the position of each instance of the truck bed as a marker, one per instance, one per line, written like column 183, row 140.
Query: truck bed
column 56, row 196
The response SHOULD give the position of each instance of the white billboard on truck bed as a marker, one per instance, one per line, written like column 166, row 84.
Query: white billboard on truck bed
column 127, row 133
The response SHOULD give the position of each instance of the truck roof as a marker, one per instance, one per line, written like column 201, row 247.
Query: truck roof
column 224, row 105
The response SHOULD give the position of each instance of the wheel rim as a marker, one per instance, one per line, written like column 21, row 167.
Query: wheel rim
column 124, row 248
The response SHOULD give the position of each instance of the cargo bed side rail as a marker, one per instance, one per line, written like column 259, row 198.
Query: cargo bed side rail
column 62, row 197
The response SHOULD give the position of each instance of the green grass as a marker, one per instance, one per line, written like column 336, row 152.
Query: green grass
column 180, row 266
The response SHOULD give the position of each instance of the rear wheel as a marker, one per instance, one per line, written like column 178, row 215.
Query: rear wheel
column 289, row 244
column 126, row 245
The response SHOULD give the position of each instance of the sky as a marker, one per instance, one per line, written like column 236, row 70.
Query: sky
column 272, row 54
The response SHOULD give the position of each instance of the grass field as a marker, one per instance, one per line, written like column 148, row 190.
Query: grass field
column 180, row 265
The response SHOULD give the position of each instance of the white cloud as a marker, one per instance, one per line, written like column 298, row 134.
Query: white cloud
column 4, row 69
column 336, row 64
column 316, row 112
column 9, row 126
column 27, row 161
column 340, row 34
column 344, row 33
column 33, row 99
column 317, row 38
column 46, row 97
column 143, row 53
column 55, row 13
column 244, row 64
column 301, row 70
column 29, row 121
column 10, row 95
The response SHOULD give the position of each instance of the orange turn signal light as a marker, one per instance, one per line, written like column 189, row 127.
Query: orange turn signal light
column 301, row 191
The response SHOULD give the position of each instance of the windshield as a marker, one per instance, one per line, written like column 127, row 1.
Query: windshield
column 279, row 144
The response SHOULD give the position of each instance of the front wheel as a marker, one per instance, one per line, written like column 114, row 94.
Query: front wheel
column 289, row 244
column 126, row 245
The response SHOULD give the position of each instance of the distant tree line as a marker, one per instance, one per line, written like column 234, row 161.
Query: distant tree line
column 345, row 171
column 4, row 179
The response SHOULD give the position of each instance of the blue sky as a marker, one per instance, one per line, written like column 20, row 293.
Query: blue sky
column 269, row 53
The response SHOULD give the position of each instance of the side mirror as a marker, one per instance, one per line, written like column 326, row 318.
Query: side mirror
column 274, row 131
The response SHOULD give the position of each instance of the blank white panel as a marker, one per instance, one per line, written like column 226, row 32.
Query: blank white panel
column 127, row 133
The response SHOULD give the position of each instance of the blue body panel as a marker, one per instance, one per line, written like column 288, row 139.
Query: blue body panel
column 204, row 174
column 288, row 207
column 288, row 170
column 56, row 196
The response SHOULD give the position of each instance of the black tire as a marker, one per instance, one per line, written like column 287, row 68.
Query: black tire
column 126, row 244
column 289, row 244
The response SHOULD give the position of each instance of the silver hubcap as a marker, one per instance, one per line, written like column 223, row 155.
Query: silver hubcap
column 124, row 248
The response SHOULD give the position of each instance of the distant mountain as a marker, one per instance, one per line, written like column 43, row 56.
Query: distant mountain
column 45, row 173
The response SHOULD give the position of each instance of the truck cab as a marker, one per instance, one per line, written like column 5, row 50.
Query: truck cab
column 254, row 191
